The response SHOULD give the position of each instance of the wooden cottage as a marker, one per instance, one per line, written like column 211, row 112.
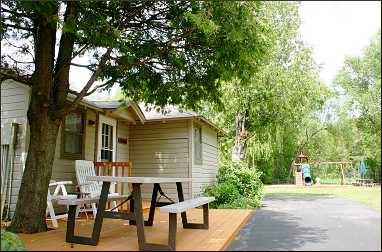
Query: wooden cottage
column 178, row 144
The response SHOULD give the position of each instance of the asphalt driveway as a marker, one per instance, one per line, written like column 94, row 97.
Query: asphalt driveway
column 310, row 222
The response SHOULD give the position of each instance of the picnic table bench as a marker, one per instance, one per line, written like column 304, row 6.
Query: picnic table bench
column 182, row 207
column 364, row 182
column 135, row 216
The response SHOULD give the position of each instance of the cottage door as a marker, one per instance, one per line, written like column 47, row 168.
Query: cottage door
column 107, row 135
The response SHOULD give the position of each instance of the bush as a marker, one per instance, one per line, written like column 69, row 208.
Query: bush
column 238, row 186
column 11, row 242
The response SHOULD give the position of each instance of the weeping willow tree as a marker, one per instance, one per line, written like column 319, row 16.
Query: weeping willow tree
column 266, row 115
column 353, row 117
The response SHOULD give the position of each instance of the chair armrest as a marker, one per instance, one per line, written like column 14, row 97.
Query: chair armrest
column 61, row 183
column 58, row 197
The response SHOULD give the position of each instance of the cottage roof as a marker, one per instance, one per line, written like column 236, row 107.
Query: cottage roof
column 167, row 112
column 171, row 112
column 105, row 104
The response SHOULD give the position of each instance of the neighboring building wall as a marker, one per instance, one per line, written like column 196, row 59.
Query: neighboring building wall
column 205, row 173
column 14, row 106
column 161, row 150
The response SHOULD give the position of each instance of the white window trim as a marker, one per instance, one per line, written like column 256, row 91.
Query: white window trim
column 198, row 161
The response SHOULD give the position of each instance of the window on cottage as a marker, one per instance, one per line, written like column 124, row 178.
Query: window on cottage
column 198, row 145
column 73, row 128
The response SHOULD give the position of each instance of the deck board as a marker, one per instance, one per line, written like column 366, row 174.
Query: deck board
column 118, row 235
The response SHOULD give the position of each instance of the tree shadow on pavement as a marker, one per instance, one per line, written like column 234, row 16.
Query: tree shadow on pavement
column 272, row 230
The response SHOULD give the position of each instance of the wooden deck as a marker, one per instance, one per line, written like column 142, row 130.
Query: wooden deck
column 119, row 235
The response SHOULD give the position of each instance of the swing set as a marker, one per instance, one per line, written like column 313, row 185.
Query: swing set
column 340, row 169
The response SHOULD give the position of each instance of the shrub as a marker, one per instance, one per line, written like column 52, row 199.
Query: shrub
column 238, row 186
column 11, row 242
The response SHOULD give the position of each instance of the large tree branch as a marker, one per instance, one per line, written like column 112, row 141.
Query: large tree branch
column 99, row 87
column 19, row 62
column 91, row 81
column 61, row 71
column 133, row 14
column 6, row 73
column 44, row 44
column 97, row 71
column 84, row 47
column 85, row 91
column 89, row 67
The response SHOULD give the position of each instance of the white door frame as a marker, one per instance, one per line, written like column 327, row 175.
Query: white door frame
column 112, row 122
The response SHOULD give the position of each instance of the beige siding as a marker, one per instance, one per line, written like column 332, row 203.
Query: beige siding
column 63, row 169
column 90, row 134
column 205, row 173
column 122, row 149
column 14, row 106
column 161, row 150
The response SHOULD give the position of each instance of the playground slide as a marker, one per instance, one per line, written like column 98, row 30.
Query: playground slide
column 306, row 174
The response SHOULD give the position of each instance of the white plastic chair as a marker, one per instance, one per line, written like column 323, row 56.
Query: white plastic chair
column 92, row 188
column 60, row 186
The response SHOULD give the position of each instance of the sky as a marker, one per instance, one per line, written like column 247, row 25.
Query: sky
column 332, row 29
column 336, row 29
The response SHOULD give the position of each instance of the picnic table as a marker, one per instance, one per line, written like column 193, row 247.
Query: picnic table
column 135, row 216
column 363, row 182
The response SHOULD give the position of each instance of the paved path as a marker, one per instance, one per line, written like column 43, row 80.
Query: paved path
column 310, row 222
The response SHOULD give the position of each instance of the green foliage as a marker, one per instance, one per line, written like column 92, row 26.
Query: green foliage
column 11, row 242
column 163, row 52
column 353, row 127
column 287, row 108
column 238, row 186
column 360, row 77
column 278, row 101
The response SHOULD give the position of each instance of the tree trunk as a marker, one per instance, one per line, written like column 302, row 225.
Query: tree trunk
column 342, row 174
column 29, row 216
column 31, row 204
column 239, row 149
column 278, row 140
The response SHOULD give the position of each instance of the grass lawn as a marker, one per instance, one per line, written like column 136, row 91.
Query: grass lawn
column 371, row 196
